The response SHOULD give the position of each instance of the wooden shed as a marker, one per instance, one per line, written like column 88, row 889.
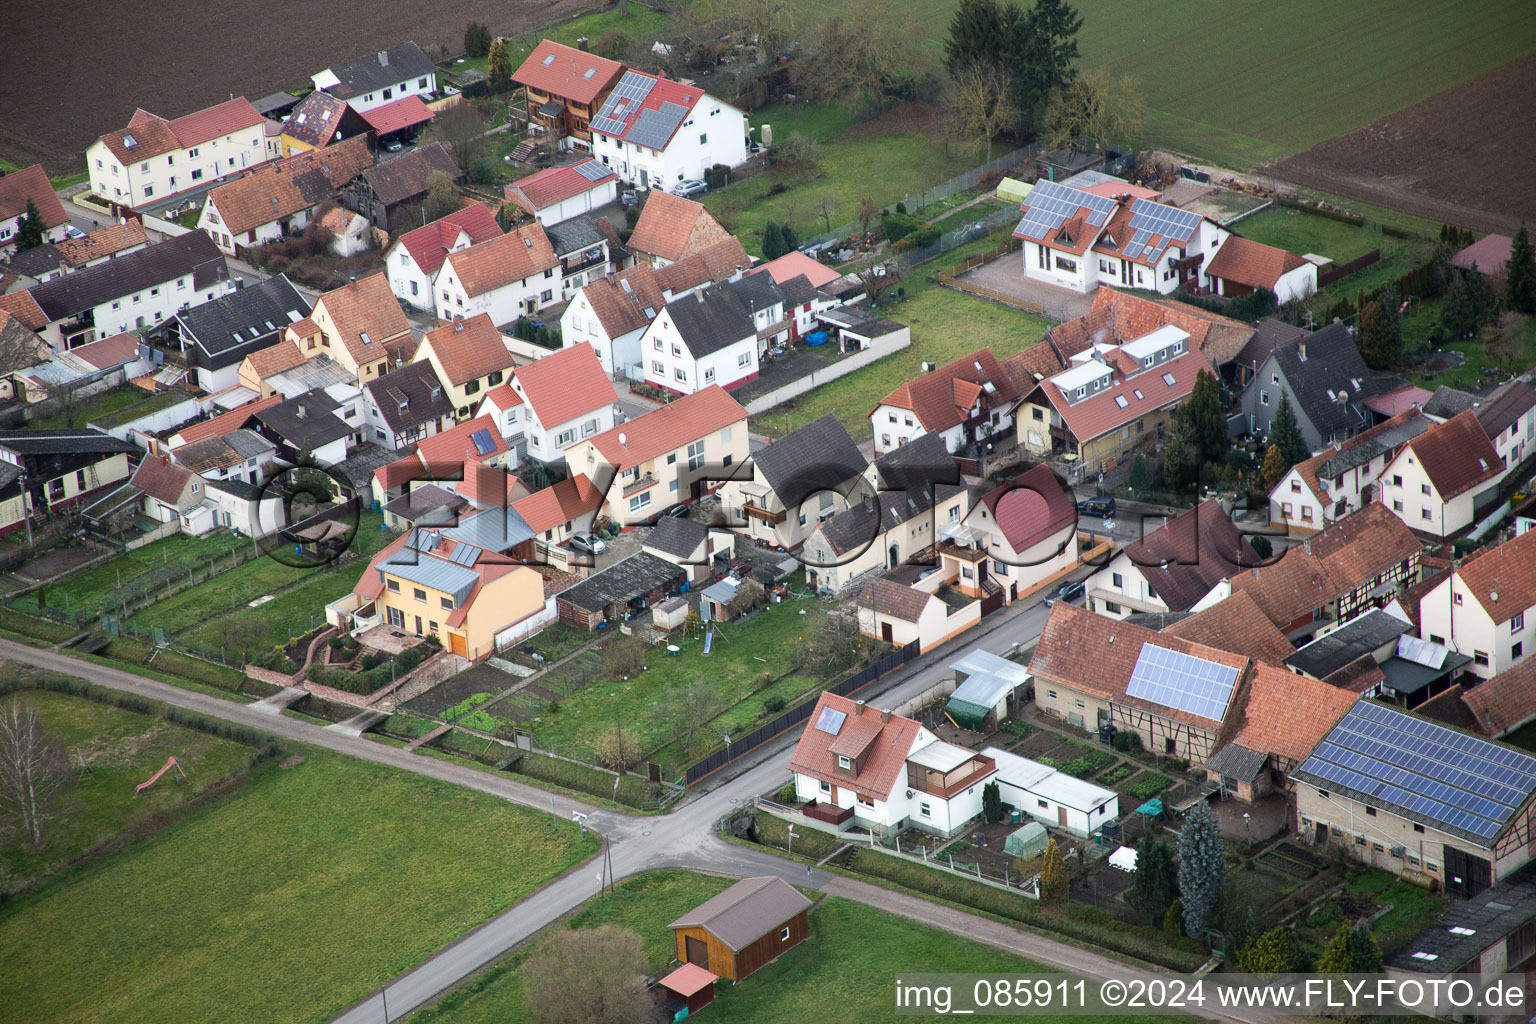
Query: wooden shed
column 745, row 928
column 690, row 985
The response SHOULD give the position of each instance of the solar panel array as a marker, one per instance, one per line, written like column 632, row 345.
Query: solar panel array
column 654, row 127
column 1457, row 782
column 830, row 720
column 1177, row 680
column 1150, row 220
column 465, row 554
column 1050, row 205
column 592, row 170
column 484, row 444
column 634, row 88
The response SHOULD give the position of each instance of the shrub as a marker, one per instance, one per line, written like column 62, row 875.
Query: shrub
column 717, row 176
column 1127, row 742
column 924, row 237
column 773, row 705
column 898, row 225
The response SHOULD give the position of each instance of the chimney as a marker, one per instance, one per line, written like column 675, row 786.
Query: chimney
column 300, row 413
column 384, row 58
column 1307, row 546
column 1301, row 350
column 458, row 325
column 581, row 44
column 858, row 708
column 885, row 715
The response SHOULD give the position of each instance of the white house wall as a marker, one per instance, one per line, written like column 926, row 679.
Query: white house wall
column 163, row 176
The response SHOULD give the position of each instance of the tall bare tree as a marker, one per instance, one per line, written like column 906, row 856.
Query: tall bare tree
column 689, row 710
column 862, row 54
column 982, row 104
column 34, row 769
column 1094, row 107
column 588, row 976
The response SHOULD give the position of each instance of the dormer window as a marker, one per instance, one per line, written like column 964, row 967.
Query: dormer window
column 844, row 764
column 1081, row 392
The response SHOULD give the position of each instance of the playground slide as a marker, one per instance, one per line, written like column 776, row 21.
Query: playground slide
column 170, row 763
column 709, row 638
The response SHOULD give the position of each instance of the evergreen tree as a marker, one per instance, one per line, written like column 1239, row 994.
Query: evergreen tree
column 1047, row 51
column 29, row 233
column 1352, row 950
column 1180, row 467
column 1465, row 304
column 1375, row 339
column 791, row 240
column 773, row 241
column 1270, row 953
column 1173, row 920
column 477, row 39
column 1053, row 875
column 1155, row 884
column 975, row 37
column 1202, row 869
column 1139, row 480
column 1285, row 433
column 500, row 66
column 1520, row 273
column 1201, row 419
column 1274, row 467
column 991, row 802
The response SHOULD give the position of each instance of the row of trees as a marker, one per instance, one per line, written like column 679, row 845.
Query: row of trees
column 1193, row 882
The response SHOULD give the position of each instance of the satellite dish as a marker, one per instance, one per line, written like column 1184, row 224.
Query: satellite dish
column 623, row 438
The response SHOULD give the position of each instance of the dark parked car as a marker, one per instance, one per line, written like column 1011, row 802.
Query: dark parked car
column 678, row 511
column 1104, row 508
column 1067, row 592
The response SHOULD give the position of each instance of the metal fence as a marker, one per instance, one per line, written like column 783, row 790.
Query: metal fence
column 795, row 715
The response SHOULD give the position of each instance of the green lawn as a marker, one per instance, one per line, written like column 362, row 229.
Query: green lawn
column 1517, row 352
column 740, row 655
column 88, row 590
column 304, row 892
column 120, row 750
column 287, row 615
column 1303, row 233
column 93, row 408
column 945, row 326
column 59, row 181
column 854, row 951
column 642, row 26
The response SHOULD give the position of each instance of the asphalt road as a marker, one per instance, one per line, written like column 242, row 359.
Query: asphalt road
column 684, row 838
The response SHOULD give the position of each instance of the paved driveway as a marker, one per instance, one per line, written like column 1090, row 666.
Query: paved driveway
column 1005, row 274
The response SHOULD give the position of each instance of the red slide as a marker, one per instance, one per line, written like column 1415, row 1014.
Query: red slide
column 170, row 763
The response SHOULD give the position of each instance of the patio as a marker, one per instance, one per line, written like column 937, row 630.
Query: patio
column 1252, row 823
column 1006, row 275
column 387, row 640
column 801, row 360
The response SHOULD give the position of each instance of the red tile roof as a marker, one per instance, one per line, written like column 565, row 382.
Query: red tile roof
column 672, row 227
column 1309, row 468
column 285, row 187
column 489, row 487
column 453, row 448
column 1395, row 403
column 429, row 244
column 107, row 241
column 24, row 307
column 1098, row 414
column 1032, row 508
column 663, row 90
column 1508, row 571
column 1287, row 715
column 1188, row 556
column 401, row 113
column 943, row 398
column 621, row 310
column 402, row 470
column 889, row 598
column 155, row 135
column 285, row 355
column 520, row 253
column 884, row 762
column 792, row 264
column 673, row 426
column 503, row 397
column 31, row 183
column 556, row 184
column 715, row 261
column 559, row 504
column 1246, row 262
column 119, row 348
column 1236, row 625
column 559, row 70
column 1119, row 316
column 564, row 385
column 226, row 423
column 467, row 349
column 365, row 307
column 1456, row 455
column 161, row 479
column 1505, row 702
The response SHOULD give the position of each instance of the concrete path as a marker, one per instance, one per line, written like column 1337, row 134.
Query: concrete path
column 359, row 723
column 285, row 698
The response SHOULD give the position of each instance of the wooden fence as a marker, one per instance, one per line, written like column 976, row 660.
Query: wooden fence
column 1339, row 271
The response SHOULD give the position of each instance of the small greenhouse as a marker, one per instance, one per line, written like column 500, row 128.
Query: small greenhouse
column 1027, row 842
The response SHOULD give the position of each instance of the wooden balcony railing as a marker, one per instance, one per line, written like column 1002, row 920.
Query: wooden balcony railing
column 829, row 813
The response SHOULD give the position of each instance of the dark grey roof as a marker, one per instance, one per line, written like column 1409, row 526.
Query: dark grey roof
column 1489, row 918
column 679, row 537
column 233, row 326
column 395, row 181
column 306, row 421
column 625, row 580
column 857, row 526
column 574, row 235
column 34, row 263
column 371, row 73
column 247, row 443
column 1403, row 676
column 756, row 291
column 796, row 291
column 746, row 911
column 357, row 468
column 428, row 505
column 1269, row 335
column 710, row 319
column 917, row 466
column 9, row 474
column 192, row 253
column 1235, row 762
column 1332, row 364
column 1360, row 636
column 62, row 442
column 1502, row 409
column 238, row 488
column 275, row 105
column 820, row 456
column 1387, row 441
column 414, row 385
column 1447, row 402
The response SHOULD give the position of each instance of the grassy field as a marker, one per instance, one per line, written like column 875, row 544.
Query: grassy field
column 58, row 181
column 287, row 615
column 120, row 749
column 642, row 26
column 313, row 885
column 95, row 586
column 93, row 408
column 1516, row 350
column 853, row 951
column 741, row 653
column 1303, row 233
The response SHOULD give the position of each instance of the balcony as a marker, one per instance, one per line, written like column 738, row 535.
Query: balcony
column 762, row 515
column 639, row 485
column 947, row 784
column 829, row 814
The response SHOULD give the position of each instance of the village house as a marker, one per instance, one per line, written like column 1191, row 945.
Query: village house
column 508, row 276
column 716, row 335
column 966, row 402
column 406, row 405
column 470, row 357
column 379, row 78
column 566, row 190
column 796, row 484
column 154, row 159
column 319, row 120
column 557, row 512
column 1326, row 382
column 361, row 326
column 217, row 336
column 1442, row 479
column 855, row 766
column 1174, row 567
column 676, row 453
column 1242, row 267
column 1342, row 477
column 564, row 88
column 1405, row 794
column 311, row 424
column 670, row 227
column 412, row 261
column 45, row 472
column 1016, row 538
column 242, row 455
column 1481, row 607
column 1508, row 416
column 1284, row 719
column 281, row 197
column 390, row 194
column 1079, row 240
column 912, row 606
column 555, row 402
column 655, row 132
column 55, row 259
column 582, row 250
column 16, row 190
column 698, row 548
column 809, row 288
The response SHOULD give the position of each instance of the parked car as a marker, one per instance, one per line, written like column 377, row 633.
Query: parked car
column 628, row 197
column 689, row 187
column 1068, row 592
column 587, row 543
column 394, row 145
column 1104, row 508
column 678, row 511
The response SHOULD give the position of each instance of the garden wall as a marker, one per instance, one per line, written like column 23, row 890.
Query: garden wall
column 879, row 349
